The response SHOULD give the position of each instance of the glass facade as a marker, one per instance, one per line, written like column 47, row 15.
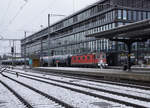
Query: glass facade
column 119, row 14
column 134, row 15
column 129, row 15
column 125, row 14
column 139, row 15
column 144, row 16
column 69, row 35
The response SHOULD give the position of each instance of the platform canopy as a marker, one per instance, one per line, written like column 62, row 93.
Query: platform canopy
column 138, row 30
column 134, row 32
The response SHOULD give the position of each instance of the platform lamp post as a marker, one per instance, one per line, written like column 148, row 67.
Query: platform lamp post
column 137, row 53
column 25, row 33
column 49, row 33
column 12, row 51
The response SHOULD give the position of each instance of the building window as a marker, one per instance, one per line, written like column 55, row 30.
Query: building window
column 129, row 15
column 124, row 14
column 119, row 14
column 134, row 15
column 148, row 15
column 110, row 27
column 107, row 27
column 139, row 16
column 112, row 15
column 113, row 25
column 104, row 27
column 144, row 15
column 98, row 29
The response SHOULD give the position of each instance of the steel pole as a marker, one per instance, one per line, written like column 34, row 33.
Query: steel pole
column 25, row 51
column 41, row 54
column 13, row 54
column 49, row 34
column 48, row 39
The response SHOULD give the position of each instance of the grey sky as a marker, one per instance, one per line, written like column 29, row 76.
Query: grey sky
column 19, row 15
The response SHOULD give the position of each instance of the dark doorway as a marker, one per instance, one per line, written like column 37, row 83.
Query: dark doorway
column 112, row 59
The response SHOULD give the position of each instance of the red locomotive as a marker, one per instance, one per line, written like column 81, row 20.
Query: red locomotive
column 88, row 60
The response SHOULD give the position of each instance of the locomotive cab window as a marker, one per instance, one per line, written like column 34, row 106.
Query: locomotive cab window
column 83, row 58
column 88, row 57
column 78, row 58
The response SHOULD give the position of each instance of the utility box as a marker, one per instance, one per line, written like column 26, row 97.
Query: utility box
column 34, row 61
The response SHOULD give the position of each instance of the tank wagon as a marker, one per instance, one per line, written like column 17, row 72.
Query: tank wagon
column 18, row 61
column 61, row 60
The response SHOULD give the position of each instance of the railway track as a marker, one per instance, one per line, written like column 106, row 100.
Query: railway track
column 93, row 88
column 87, row 78
column 131, row 83
column 34, row 77
column 21, row 99
column 59, row 102
column 94, row 80
column 134, row 84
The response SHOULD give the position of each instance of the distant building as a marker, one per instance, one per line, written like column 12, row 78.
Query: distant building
column 68, row 35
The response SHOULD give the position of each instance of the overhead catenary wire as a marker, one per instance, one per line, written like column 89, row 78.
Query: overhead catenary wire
column 15, row 16
column 5, row 13
column 18, row 12
column 35, row 18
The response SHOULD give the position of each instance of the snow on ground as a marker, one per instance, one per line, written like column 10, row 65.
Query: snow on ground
column 71, row 97
column 127, row 90
column 146, row 104
column 83, row 69
column 120, row 89
column 8, row 100
column 36, row 100
column 109, row 87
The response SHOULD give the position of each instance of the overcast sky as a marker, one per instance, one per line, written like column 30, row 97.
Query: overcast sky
column 17, row 16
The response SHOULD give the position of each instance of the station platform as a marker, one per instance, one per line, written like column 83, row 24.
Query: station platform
column 137, row 75
column 135, row 67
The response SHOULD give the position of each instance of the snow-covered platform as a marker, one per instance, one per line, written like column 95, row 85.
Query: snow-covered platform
column 106, row 73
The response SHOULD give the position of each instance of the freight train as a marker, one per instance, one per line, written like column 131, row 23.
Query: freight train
column 82, row 60
column 18, row 61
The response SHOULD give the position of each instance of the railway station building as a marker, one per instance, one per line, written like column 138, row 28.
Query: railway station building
column 68, row 36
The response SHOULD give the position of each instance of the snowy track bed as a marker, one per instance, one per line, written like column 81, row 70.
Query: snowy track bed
column 70, row 77
column 71, row 97
column 129, row 91
column 8, row 100
column 126, row 99
column 99, row 86
column 35, row 99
